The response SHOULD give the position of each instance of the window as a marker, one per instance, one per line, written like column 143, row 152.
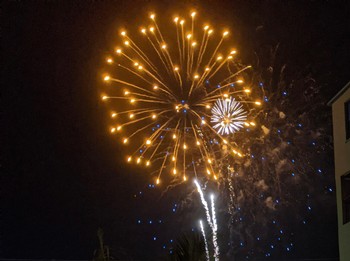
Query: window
column 347, row 119
column 345, row 191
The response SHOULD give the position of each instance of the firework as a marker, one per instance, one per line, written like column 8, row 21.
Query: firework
column 228, row 116
column 211, row 218
column 205, row 240
column 205, row 204
column 162, row 88
column 215, row 229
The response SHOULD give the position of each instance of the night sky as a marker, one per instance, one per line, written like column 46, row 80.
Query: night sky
column 63, row 176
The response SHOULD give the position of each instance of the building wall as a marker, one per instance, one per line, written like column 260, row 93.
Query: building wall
column 342, row 166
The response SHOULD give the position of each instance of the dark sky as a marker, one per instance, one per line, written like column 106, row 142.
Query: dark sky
column 62, row 174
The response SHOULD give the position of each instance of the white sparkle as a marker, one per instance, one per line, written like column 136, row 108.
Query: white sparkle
column 228, row 116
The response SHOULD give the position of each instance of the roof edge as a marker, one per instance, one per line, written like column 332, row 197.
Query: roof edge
column 338, row 94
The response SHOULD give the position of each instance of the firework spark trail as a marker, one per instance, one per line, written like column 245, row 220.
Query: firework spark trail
column 211, row 218
column 215, row 229
column 205, row 204
column 205, row 240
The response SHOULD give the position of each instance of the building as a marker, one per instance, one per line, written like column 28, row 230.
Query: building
column 341, row 136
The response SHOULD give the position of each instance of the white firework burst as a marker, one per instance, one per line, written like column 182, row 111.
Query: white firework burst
column 228, row 116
